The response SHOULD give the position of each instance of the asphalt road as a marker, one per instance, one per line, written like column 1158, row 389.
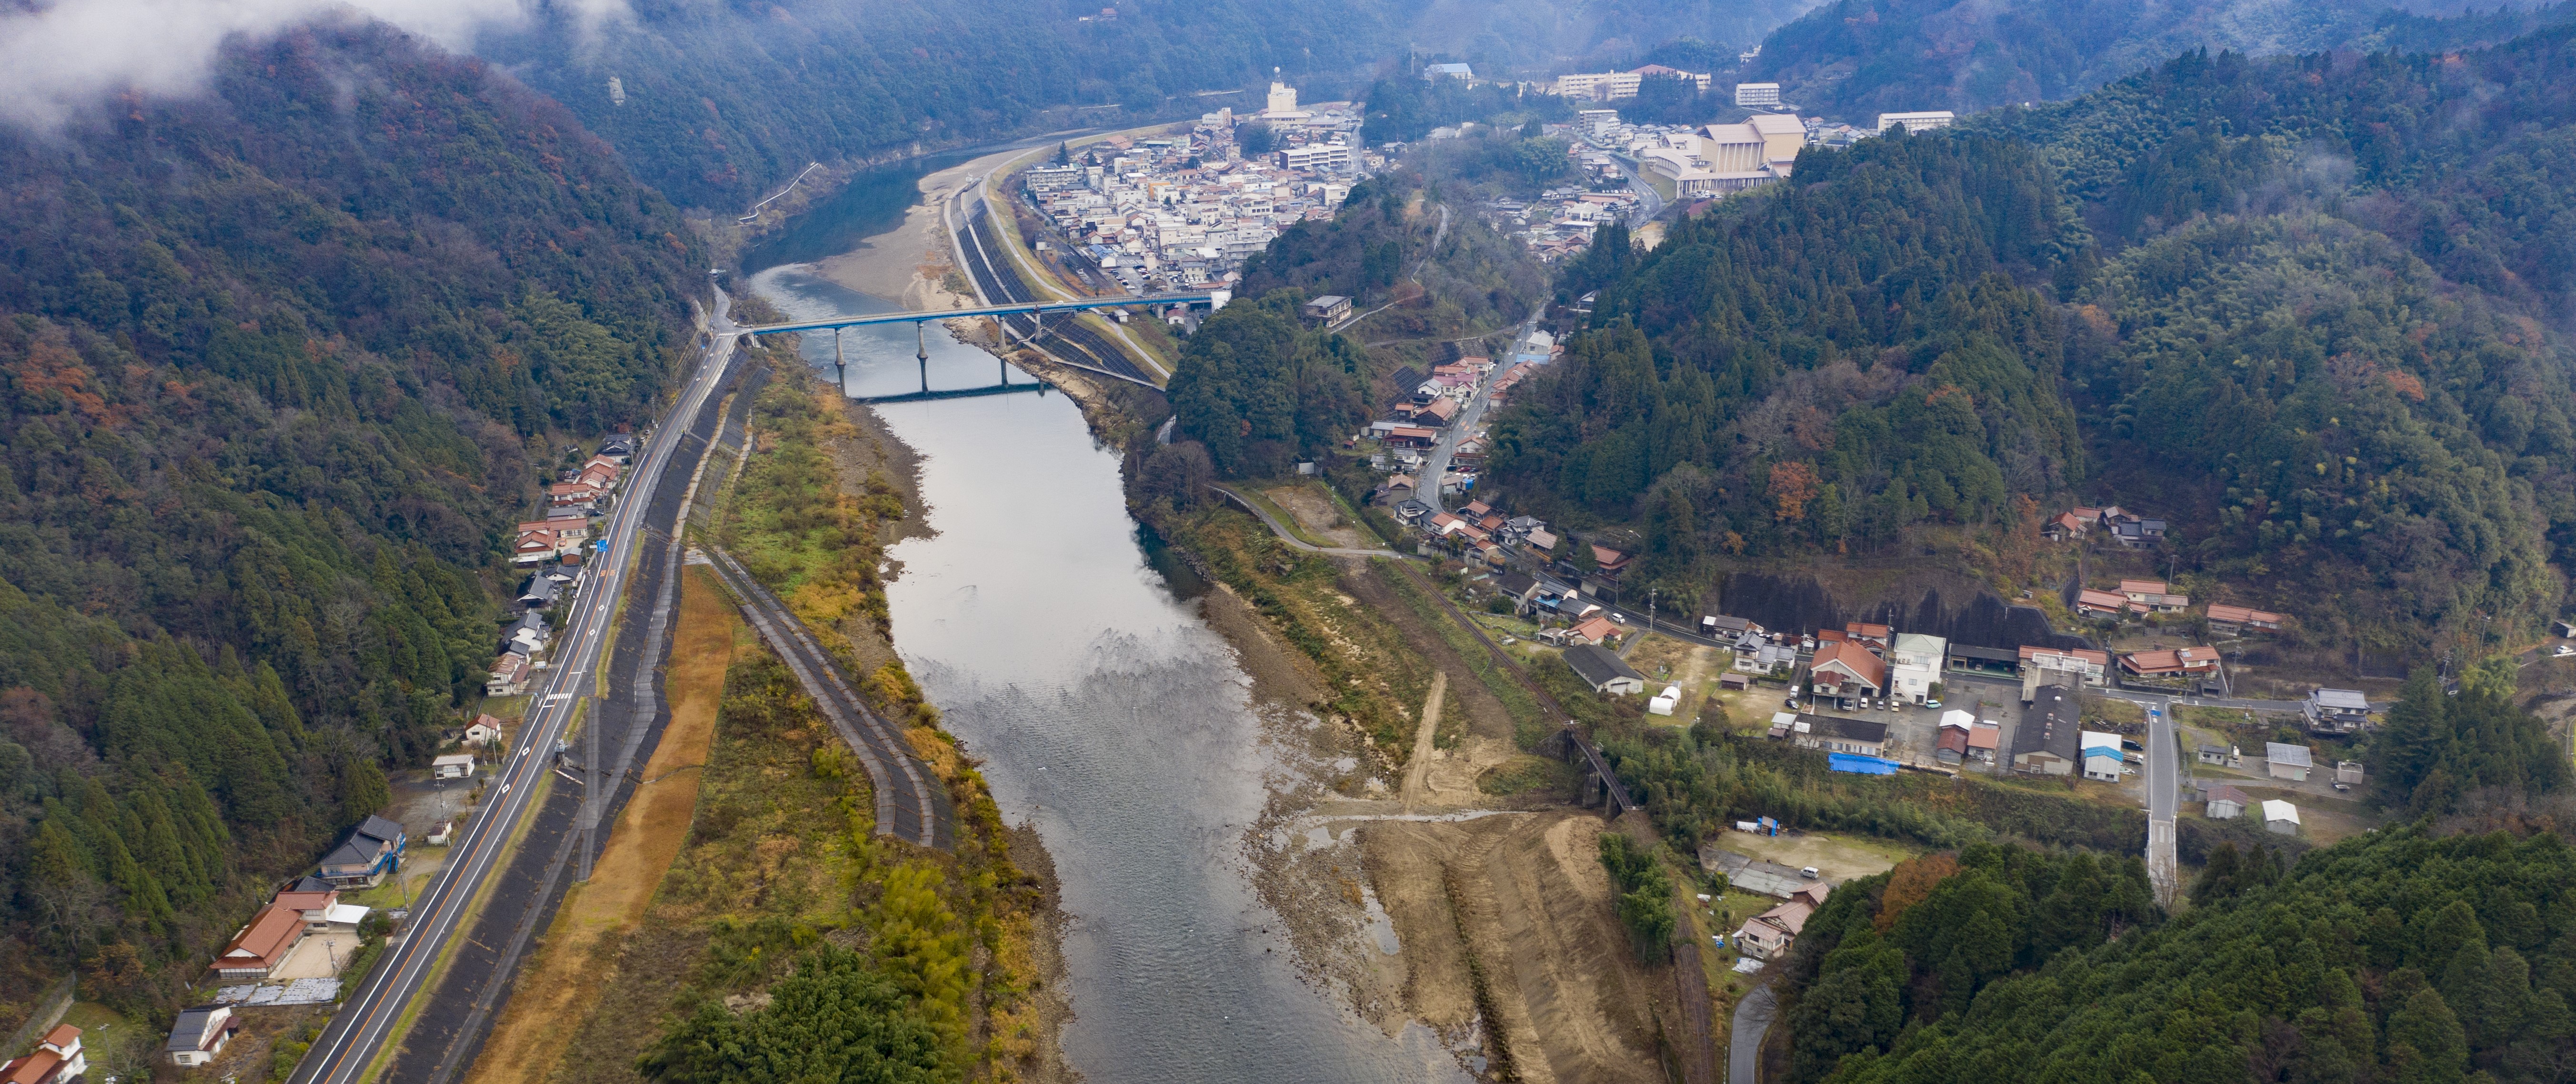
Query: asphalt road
column 1753, row 1017
column 2164, row 797
column 997, row 282
column 367, row 1017
column 1435, row 465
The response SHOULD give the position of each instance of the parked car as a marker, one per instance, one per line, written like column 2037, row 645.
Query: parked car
column 1809, row 873
column 1931, row 705
column 2563, row 651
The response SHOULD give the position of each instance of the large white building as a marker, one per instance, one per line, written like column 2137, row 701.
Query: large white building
column 1916, row 123
column 1752, row 94
column 1613, row 86
column 1727, row 158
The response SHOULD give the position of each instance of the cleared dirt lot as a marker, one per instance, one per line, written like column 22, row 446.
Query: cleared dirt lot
column 1524, row 897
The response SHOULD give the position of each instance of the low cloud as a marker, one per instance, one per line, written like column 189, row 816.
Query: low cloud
column 64, row 58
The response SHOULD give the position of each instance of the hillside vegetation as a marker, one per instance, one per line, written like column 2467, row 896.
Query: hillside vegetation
column 2393, row 956
column 1853, row 59
column 277, row 367
column 2303, row 307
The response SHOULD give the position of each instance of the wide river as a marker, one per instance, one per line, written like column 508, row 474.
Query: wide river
column 1108, row 714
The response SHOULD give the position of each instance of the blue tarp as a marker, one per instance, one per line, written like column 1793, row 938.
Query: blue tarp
column 1854, row 762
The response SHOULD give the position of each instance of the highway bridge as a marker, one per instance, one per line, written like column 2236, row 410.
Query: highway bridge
column 1035, row 310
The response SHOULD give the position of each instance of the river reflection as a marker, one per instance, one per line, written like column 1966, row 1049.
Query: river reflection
column 1110, row 716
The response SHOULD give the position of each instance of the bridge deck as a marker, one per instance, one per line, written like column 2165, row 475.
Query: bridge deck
column 1040, row 307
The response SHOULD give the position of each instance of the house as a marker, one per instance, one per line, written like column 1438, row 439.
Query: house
column 200, row 1034
column 572, row 495
column 509, row 675
column 535, row 548
column 1835, row 734
column 1593, row 630
column 1326, row 309
column 1766, row 659
column 1985, row 660
column 452, row 766
column 2280, row 818
column 312, row 899
column 2100, row 753
column 2171, row 664
column 1874, row 637
column 57, row 1059
column 262, row 945
column 2047, row 741
column 2065, row 525
column 1846, row 669
column 1608, row 674
column 1611, row 562
column 2227, row 803
column 484, row 730
column 572, row 529
column 2150, row 596
column 1951, row 747
column 1983, row 739
column 2289, row 762
column 373, row 848
column 2221, row 755
column 1770, row 933
column 618, row 448
column 1916, row 661
column 539, row 593
column 2227, row 620
column 1724, row 627
column 1519, row 587
column 1728, row 682
column 1542, row 541
column 2335, row 711
column 2091, row 603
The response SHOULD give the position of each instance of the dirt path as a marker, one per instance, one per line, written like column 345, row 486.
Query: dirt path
column 1420, row 767
column 554, row 995
column 1318, row 516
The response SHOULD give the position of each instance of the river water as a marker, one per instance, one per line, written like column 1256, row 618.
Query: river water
column 1110, row 716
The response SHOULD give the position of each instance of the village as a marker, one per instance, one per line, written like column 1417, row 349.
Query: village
column 1183, row 212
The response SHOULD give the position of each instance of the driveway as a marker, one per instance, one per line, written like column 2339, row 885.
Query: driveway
column 1753, row 1017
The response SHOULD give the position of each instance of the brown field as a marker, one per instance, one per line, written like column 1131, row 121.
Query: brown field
column 557, row 991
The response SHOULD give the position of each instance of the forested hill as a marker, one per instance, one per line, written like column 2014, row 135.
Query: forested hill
column 722, row 102
column 2394, row 956
column 2304, row 307
column 1853, row 59
column 274, row 363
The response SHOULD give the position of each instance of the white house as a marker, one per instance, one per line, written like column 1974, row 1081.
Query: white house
column 452, row 766
column 1917, row 660
column 200, row 1034
column 2280, row 818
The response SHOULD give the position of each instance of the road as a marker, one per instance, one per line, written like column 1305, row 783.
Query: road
column 366, row 1019
column 2164, row 797
column 1753, row 1017
column 1649, row 202
column 1436, row 465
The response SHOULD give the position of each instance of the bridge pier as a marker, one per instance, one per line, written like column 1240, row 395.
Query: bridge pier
column 921, row 351
column 840, row 368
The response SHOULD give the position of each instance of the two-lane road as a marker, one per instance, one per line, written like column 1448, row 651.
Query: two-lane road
column 368, row 1017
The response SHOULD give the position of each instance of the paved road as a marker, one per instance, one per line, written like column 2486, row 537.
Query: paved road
column 2164, row 797
column 1436, row 464
column 366, row 1019
column 910, row 803
column 1290, row 537
column 1753, row 1017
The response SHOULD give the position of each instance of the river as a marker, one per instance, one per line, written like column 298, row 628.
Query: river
column 1110, row 716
